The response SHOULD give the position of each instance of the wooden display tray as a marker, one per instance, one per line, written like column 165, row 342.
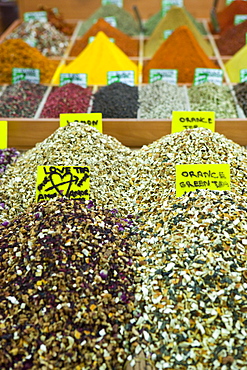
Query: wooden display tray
column 133, row 133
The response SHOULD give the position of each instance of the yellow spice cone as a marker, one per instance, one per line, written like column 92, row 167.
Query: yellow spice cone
column 236, row 63
column 97, row 59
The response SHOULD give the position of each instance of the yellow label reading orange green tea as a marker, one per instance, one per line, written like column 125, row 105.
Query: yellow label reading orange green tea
column 72, row 182
column 190, row 177
column 3, row 134
column 91, row 119
column 189, row 120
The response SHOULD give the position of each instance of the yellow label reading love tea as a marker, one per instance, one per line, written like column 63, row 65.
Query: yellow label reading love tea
column 190, row 177
column 189, row 120
column 72, row 182
column 3, row 134
column 91, row 119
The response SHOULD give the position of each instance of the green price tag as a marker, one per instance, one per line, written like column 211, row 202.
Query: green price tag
column 167, row 33
column 228, row 2
column 27, row 74
column 239, row 18
column 75, row 78
column 167, row 4
column 3, row 134
column 190, row 177
column 92, row 38
column 35, row 16
column 111, row 20
column 243, row 75
column 168, row 75
column 119, row 3
column 127, row 77
column 203, row 75
column 72, row 182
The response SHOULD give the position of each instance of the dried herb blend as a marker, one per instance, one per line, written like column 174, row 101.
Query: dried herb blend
column 159, row 99
column 226, row 16
column 117, row 100
column 7, row 156
column 98, row 58
column 21, row 99
column 193, row 292
column 241, row 94
column 67, row 287
column 175, row 18
column 69, row 98
column 128, row 45
column 233, row 39
column 211, row 97
column 76, row 144
column 125, row 21
column 17, row 54
column 176, row 52
column 46, row 38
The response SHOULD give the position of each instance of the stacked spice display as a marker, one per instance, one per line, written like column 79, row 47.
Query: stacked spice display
column 21, row 99
column 97, row 59
column 16, row 53
column 43, row 36
column 68, row 292
column 176, row 52
column 175, row 17
column 128, row 45
column 69, row 98
column 233, row 39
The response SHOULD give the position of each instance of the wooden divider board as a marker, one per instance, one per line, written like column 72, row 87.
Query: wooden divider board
column 82, row 9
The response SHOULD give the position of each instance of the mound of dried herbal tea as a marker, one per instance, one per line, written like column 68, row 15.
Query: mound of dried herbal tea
column 67, row 287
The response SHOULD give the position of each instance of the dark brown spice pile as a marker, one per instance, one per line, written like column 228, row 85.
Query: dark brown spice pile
column 233, row 39
column 21, row 99
column 67, row 287
column 69, row 98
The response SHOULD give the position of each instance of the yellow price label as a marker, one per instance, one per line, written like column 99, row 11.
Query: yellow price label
column 3, row 134
column 190, row 177
column 91, row 119
column 72, row 182
column 189, row 120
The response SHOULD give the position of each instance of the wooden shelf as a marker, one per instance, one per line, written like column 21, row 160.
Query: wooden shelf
column 24, row 134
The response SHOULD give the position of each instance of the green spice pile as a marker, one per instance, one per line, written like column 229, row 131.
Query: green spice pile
column 21, row 99
column 42, row 35
column 125, row 21
column 117, row 100
column 67, row 288
column 192, row 299
column 159, row 99
column 74, row 145
column 241, row 94
column 211, row 97
column 153, row 21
